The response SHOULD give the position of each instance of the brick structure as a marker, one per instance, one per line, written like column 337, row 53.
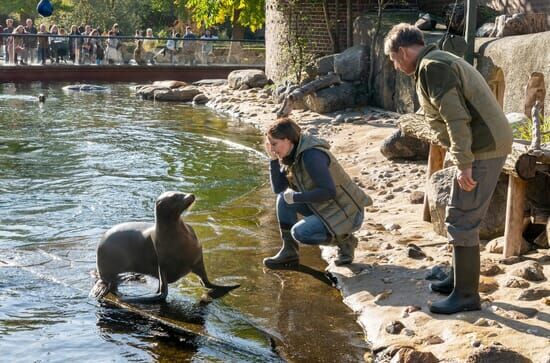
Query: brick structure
column 319, row 40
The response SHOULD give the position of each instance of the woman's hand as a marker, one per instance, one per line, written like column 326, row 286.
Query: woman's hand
column 269, row 150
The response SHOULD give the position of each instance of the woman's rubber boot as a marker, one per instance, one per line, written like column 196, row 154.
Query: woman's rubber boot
column 287, row 255
column 444, row 286
column 346, row 250
column 465, row 296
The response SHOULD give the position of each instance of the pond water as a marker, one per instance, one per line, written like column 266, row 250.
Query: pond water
column 81, row 162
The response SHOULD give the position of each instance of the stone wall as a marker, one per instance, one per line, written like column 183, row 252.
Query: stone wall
column 505, row 63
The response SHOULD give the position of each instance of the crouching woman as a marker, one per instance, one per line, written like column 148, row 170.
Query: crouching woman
column 309, row 182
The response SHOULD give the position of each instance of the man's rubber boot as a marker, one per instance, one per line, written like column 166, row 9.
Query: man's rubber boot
column 346, row 250
column 446, row 285
column 287, row 255
column 465, row 296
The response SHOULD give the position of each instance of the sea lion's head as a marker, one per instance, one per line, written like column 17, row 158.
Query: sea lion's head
column 170, row 205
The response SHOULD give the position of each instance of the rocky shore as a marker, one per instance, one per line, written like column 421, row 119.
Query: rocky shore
column 387, row 284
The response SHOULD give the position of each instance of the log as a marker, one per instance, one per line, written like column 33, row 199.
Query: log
column 436, row 158
column 299, row 93
column 515, row 211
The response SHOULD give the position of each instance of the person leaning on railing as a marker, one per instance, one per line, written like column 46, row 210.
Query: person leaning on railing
column 31, row 43
column 43, row 44
column 19, row 44
column 74, row 44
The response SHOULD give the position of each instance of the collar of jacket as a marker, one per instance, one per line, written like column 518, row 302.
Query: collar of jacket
column 427, row 49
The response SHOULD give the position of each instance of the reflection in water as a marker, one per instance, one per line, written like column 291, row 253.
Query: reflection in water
column 81, row 163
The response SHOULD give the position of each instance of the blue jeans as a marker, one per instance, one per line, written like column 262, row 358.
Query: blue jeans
column 310, row 229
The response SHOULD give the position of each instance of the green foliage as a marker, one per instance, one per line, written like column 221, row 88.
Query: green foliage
column 524, row 130
column 248, row 13
column 297, row 38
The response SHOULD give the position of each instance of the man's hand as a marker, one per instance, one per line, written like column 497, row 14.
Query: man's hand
column 269, row 150
column 464, row 179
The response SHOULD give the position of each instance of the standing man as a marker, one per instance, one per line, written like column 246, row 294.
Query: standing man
column 460, row 107
column 8, row 40
column 31, row 43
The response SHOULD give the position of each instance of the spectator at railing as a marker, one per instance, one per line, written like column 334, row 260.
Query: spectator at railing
column 8, row 40
column 43, row 44
column 55, row 43
column 75, row 42
column 149, row 46
column 207, row 46
column 189, row 46
column 19, row 45
column 62, row 45
column 112, row 54
column 87, row 46
column 31, row 43
column 98, row 53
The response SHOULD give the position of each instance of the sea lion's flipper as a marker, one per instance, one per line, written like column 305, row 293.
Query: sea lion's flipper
column 219, row 290
column 100, row 289
column 160, row 296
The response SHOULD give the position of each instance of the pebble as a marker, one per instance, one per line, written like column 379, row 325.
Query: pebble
column 394, row 327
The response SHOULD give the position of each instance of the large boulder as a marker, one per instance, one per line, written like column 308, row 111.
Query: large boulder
column 251, row 78
column 181, row 94
column 352, row 64
column 496, row 354
column 325, row 64
column 331, row 99
column 401, row 146
column 438, row 192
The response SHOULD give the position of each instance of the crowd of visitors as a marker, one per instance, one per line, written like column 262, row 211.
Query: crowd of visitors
column 27, row 44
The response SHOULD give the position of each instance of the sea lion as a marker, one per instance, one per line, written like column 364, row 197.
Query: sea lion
column 168, row 250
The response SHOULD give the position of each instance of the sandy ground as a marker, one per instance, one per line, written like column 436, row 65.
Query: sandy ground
column 383, row 285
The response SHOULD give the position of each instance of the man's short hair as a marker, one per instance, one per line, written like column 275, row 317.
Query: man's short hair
column 402, row 35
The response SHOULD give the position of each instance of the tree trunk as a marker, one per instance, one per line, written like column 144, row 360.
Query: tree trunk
column 329, row 28
column 235, row 49
column 349, row 25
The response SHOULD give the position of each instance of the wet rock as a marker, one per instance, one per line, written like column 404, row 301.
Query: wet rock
column 534, row 294
column 529, row 270
column 416, row 197
column 516, row 282
column 489, row 268
column 394, row 327
column 200, row 99
column 401, row 146
column 250, row 77
column 438, row 272
column 487, row 284
column 183, row 94
column 496, row 354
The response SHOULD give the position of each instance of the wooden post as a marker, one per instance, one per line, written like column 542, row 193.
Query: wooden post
column 515, row 211
column 435, row 163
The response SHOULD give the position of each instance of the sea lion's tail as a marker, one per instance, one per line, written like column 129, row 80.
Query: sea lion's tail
column 100, row 289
